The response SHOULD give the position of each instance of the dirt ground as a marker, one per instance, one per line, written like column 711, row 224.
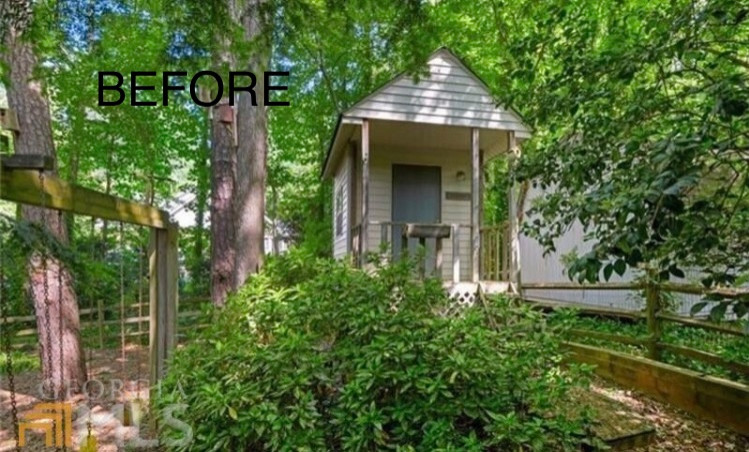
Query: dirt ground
column 675, row 430
column 111, row 388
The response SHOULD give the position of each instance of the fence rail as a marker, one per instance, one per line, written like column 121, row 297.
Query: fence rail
column 655, row 317
column 97, row 324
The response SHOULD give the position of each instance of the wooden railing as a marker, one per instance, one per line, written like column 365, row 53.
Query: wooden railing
column 494, row 248
column 102, row 327
column 668, row 371
column 390, row 231
column 655, row 317
column 495, row 253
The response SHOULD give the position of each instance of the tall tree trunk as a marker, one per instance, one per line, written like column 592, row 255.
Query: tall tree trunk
column 201, row 205
column 249, row 199
column 223, row 163
column 50, row 281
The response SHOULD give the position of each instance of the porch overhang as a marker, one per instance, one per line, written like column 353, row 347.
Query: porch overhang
column 415, row 135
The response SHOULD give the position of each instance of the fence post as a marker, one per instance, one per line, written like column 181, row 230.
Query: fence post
column 653, row 302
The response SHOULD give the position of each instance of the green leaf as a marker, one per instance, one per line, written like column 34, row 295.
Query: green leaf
column 697, row 307
column 607, row 270
column 620, row 267
column 718, row 312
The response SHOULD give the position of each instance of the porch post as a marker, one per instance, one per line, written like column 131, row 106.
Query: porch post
column 475, row 204
column 455, row 234
column 514, row 238
column 364, row 239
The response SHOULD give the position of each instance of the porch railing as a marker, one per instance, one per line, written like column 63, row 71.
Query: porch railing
column 495, row 252
column 402, row 232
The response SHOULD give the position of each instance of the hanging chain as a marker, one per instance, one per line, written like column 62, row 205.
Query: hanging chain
column 47, row 303
column 47, row 324
column 122, row 304
column 8, row 350
column 60, row 220
column 88, row 394
column 141, row 257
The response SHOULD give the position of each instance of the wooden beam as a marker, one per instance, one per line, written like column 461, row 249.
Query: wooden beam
column 706, row 357
column 163, row 274
column 576, row 286
column 172, row 288
column 27, row 161
column 513, row 239
column 702, row 324
column 155, row 328
column 475, row 205
column 436, row 231
column 364, row 241
column 716, row 399
column 351, row 198
column 601, row 311
column 24, row 186
column 456, row 252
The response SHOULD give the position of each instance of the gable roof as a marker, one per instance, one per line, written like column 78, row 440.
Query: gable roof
column 451, row 94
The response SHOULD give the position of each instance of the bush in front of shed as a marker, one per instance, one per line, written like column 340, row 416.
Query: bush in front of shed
column 315, row 355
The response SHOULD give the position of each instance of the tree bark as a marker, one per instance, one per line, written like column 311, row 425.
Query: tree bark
column 223, row 163
column 201, row 205
column 252, row 150
column 50, row 281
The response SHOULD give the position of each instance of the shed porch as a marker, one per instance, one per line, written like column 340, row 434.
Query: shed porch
column 407, row 185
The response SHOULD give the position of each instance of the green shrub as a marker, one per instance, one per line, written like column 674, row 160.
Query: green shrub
column 345, row 360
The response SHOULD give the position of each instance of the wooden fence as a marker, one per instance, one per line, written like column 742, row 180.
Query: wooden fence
column 706, row 396
column 101, row 326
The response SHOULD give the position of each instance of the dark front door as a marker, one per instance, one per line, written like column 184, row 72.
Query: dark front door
column 416, row 199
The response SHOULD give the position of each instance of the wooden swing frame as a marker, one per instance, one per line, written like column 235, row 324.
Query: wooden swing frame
column 20, row 183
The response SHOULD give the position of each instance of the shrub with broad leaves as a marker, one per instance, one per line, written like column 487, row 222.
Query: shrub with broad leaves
column 315, row 355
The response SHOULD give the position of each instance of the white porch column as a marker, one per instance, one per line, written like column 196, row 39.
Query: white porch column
column 514, row 227
column 364, row 240
column 475, row 204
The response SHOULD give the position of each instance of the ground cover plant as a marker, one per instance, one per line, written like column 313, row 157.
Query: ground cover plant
column 315, row 355
column 729, row 347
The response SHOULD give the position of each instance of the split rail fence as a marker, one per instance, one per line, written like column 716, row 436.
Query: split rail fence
column 654, row 364
column 101, row 326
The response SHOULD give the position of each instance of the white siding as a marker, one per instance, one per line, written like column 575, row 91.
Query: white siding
column 453, row 212
column 341, row 182
column 448, row 95
column 535, row 267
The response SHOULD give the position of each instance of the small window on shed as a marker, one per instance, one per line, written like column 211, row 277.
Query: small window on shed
column 339, row 211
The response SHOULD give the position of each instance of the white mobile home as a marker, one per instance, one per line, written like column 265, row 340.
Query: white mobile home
column 406, row 162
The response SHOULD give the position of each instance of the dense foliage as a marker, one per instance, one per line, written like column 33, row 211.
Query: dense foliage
column 315, row 355
column 642, row 109
column 732, row 348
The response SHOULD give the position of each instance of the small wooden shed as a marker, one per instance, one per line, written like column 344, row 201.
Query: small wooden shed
column 406, row 163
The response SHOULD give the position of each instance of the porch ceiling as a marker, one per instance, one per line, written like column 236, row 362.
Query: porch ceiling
column 433, row 137
column 418, row 136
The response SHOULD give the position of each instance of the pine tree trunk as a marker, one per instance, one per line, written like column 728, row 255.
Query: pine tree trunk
column 223, row 167
column 249, row 199
column 50, row 282
column 201, row 205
